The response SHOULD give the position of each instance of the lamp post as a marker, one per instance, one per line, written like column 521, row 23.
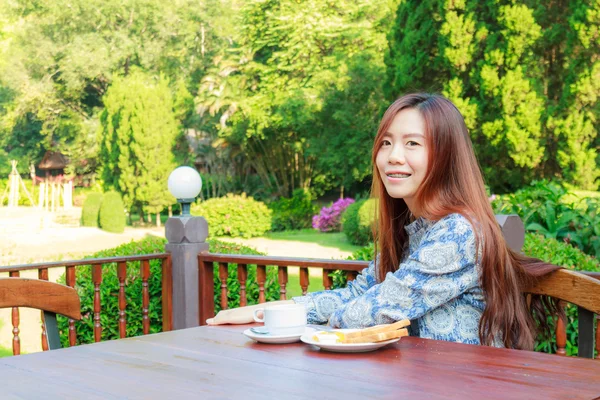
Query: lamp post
column 185, row 184
column 186, row 236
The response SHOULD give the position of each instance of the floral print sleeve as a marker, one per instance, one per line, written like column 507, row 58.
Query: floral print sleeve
column 436, row 272
column 320, row 305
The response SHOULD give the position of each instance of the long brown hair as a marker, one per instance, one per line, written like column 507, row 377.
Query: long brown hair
column 453, row 184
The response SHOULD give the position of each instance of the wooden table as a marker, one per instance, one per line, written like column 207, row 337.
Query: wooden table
column 219, row 362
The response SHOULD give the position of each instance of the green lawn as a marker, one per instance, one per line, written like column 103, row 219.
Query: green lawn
column 4, row 352
column 334, row 239
column 315, row 283
column 136, row 222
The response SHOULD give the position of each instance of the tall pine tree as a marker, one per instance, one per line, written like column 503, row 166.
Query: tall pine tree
column 138, row 134
column 524, row 74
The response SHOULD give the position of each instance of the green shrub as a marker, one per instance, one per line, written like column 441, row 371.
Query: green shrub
column 112, row 213
column 357, row 221
column 80, row 195
column 560, row 253
column 587, row 226
column 109, row 290
column 294, row 213
column 548, row 208
column 91, row 209
column 235, row 215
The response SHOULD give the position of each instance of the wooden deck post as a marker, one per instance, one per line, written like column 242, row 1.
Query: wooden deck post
column 513, row 230
column 186, row 236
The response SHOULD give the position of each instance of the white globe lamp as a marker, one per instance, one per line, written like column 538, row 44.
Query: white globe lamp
column 185, row 184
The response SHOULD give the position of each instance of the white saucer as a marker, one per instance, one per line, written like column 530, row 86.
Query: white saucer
column 276, row 339
column 345, row 347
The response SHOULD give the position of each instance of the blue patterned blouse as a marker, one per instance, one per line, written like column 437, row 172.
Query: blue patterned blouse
column 436, row 285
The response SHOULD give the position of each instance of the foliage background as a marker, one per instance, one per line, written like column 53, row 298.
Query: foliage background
column 270, row 96
column 523, row 73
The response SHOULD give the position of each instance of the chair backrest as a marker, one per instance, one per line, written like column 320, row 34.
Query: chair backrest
column 580, row 290
column 52, row 298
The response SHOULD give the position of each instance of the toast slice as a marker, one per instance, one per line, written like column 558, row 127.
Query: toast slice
column 377, row 337
column 378, row 329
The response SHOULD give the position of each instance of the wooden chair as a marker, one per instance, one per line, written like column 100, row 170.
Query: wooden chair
column 51, row 298
column 582, row 291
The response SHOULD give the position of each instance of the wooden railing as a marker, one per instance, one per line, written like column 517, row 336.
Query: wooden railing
column 206, row 278
column 206, row 285
column 98, row 266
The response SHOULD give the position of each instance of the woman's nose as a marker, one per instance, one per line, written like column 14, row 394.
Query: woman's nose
column 396, row 156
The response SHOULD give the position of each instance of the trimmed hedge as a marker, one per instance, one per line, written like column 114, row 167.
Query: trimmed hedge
column 234, row 215
column 112, row 213
column 91, row 209
column 357, row 221
column 293, row 213
column 109, row 290
column 559, row 253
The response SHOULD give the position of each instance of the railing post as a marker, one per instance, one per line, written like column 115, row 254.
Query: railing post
column 186, row 236
column 513, row 230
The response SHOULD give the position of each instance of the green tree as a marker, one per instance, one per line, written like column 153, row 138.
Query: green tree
column 138, row 132
column 301, row 55
column 346, row 125
column 520, row 72
column 58, row 58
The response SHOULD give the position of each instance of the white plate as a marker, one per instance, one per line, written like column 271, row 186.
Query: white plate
column 276, row 339
column 345, row 347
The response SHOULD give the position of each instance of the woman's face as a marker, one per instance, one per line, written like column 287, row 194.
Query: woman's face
column 403, row 157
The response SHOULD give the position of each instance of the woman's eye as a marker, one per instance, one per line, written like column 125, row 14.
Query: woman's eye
column 412, row 143
column 385, row 142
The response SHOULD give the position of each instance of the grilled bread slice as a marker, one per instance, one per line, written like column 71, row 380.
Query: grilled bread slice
column 377, row 337
column 378, row 329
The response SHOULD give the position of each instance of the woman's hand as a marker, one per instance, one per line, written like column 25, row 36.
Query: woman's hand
column 242, row 315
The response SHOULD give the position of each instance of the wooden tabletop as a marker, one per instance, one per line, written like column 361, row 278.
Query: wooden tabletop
column 219, row 362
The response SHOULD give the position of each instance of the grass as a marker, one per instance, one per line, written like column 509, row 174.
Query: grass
column 333, row 239
column 4, row 352
column 136, row 222
column 293, row 287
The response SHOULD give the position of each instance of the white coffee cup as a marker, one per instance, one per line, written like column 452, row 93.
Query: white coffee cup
column 284, row 319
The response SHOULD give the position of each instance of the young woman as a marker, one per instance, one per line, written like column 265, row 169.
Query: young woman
column 442, row 260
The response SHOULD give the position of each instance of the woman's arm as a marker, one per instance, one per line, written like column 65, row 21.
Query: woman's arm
column 319, row 305
column 442, row 268
column 242, row 315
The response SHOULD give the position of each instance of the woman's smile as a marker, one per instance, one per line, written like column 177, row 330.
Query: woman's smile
column 397, row 176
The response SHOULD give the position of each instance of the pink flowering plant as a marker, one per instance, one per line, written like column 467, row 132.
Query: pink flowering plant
column 330, row 218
